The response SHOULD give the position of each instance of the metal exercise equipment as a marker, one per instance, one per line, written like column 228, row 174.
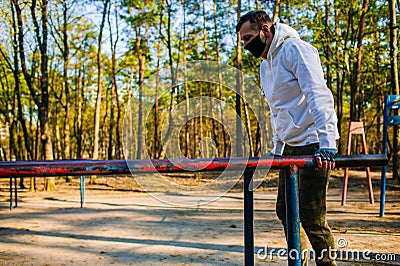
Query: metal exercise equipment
column 120, row 167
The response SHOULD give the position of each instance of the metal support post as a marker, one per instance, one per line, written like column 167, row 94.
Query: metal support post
column 16, row 192
column 293, row 216
column 391, row 103
column 248, row 219
column 82, row 190
column 11, row 193
column 384, row 151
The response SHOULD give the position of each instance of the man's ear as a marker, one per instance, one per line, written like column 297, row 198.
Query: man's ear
column 265, row 28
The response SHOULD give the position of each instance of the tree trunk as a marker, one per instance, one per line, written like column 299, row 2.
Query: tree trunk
column 188, row 123
column 141, row 62
column 67, row 133
column 114, row 90
column 328, row 46
column 339, row 88
column 239, row 85
column 99, row 89
column 114, row 74
column 394, row 83
column 41, row 99
column 201, row 155
column 79, row 96
column 16, row 72
column 277, row 8
column 357, row 111
column 140, row 111
column 65, row 52
column 166, row 139
column 156, row 142
column 156, row 103
column 224, row 148
column 204, row 152
column 97, row 114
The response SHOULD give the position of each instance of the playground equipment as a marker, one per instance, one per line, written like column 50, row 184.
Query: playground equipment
column 120, row 167
column 356, row 128
column 392, row 102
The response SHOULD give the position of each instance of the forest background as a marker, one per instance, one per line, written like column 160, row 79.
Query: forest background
column 68, row 70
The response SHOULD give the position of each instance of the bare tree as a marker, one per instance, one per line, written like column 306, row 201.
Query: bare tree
column 357, row 100
column 41, row 96
column 339, row 87
column 99, row 87
column 114, row 89
column 99, row 83
column 224, row 147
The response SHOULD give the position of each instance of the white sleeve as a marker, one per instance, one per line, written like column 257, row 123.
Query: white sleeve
column 303, row 60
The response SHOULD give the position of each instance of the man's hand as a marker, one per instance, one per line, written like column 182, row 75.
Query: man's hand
column 326, row 158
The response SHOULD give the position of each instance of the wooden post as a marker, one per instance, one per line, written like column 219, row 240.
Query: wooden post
column 356, row 128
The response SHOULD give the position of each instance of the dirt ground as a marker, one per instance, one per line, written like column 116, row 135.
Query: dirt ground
column 122, row 226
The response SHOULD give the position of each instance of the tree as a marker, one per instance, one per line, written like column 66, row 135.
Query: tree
column 114, row 90
column 41, row 96
column 394, row 82
column 99, row 85
column 356, row 107
column 239, row 86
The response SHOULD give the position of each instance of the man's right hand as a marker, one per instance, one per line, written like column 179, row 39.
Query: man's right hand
column 325, row 158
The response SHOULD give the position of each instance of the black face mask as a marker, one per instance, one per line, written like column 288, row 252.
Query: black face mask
column 256, row 47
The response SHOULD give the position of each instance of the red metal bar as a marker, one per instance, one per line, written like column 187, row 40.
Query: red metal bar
column 118, row 167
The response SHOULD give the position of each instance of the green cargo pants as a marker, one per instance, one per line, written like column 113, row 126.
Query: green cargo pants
column 313, row 184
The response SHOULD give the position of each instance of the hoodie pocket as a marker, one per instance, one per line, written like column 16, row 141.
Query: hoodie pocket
column 286, row 127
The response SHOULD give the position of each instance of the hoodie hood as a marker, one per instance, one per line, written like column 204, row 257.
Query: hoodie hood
column 282, row 33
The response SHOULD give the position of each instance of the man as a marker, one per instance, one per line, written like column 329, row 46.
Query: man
column 302, row 117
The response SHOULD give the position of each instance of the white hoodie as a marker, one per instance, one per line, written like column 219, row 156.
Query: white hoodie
column 302, row 106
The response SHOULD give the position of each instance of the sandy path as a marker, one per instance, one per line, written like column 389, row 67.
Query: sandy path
column 122, row 227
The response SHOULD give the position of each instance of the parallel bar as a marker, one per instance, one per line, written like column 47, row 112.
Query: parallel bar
column 104, row 167
column 118, row 167
column 293, row 217
column 248, row 219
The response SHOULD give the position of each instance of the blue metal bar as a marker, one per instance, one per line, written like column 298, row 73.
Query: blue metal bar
column 393, row 101
column 293, row 217
column 383, row 193
column 384, row 151
column 248, row 219
column 82, row 190
column 393, row 120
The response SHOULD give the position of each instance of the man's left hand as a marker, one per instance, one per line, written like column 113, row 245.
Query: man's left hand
column 325, row 158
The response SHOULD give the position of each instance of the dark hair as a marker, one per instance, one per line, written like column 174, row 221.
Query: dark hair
column 257, row 18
